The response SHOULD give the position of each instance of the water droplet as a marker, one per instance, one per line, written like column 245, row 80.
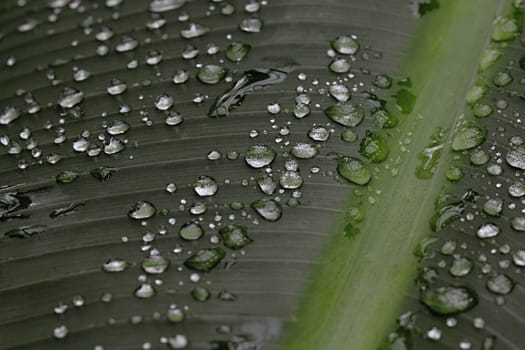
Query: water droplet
column 155, row 264
column 291, row 180
column 60, row 332
column 175, row 314
column 70, row 97
column 340, row 92
column 116, row 87
column 382, row 81
column 518, row 257
column 8, row 114
column 126, row 43
column 114, row 145
column 251, row 25
column 319, row 133
column 181, row 76
column 374, row 147
column 205, row 186
column 200, row 294
column 157, row 6
column 468, row 136
column 102, row 173
column 348, row 135
column 67, row 176
column 173, row 118
column 179, row 341
column 500, row 284
column 345, row 113
column 235, row 236
column 236, row 51
column 502, row 79
column 461, row 266
column 516, row 157
column 353, row 170
column 205, row 259
column 449, row 300
column 303, row 151
column 339, row 65
column 454, row 173
column 115, row 265
column 345, row 45
column 481, row 110
column 259, row 156
column 493, row 206
column 25, row 231
column 268, row 209
column 476, row 93
column 145, row 291
column 488, row 230
column 517, row 189
column 191, row 231
column 211, row 74
column 142, row 210
column 267, row 184
column 518, row 223
column 505, row 28
column 163, row 102
column 194, row 30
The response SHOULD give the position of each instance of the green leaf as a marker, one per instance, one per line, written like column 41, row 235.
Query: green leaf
column 279, row 175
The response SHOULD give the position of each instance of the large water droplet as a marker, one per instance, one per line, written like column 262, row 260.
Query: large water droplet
column 145, row 291
column 205, row 186
column 251, row 25
column 179, row 341
column 268, row 209
column 70, row 97
column 353, row 170
column 345, row 45
column 374, row 147
column 8, row 114
column 155, row 264
column 114, row 145
column 267, row 184
column 345, row 113
column 291, row 180
column 205, row 259
column 449, row 300
column 211, row 74
column 235, row 236
column 236, row 51
column 516, row 158
column 468, row 136
column 191, row 231
column 518, row 223
column 461, row 266
column 60, row 332
column 488, row 230
column 115, row 265
column 259, row 156
column 142, row 210
column 163, row 102
column 303, row 151
column 194, row 30
column 500, row 284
